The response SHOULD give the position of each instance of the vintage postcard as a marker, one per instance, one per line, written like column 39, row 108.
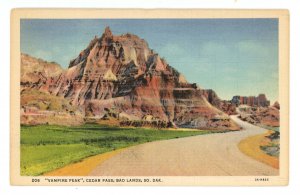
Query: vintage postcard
column 149, row 97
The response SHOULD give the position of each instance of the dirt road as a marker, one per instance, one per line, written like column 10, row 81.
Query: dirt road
column 204, row 155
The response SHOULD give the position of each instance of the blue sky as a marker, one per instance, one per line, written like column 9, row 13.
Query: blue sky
column 231, row 56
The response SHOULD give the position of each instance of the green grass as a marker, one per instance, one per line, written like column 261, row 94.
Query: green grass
column 48, row 147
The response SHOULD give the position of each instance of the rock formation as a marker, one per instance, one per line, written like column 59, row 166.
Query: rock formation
column 122, row 75
column 260, row 100
column 268, row 116
column 225, row 106
column 276, row 105
column 35, row 73
column 38, row 106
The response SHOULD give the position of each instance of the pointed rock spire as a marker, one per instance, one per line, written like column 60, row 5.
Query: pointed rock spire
column 107, row 32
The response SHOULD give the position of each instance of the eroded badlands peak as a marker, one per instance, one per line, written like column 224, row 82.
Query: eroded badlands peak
column 121, row 77
column 107, row 68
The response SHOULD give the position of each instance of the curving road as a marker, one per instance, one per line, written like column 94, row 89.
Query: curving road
column 203, row 155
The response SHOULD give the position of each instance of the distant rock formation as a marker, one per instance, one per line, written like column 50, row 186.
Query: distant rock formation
column 260, row 100
column 224, row 105
column 276, row 105
column 122, row 75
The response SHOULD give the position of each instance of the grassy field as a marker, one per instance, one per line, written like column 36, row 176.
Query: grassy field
column 47, row 147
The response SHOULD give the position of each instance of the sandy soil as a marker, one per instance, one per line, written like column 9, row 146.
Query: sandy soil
column 84, row 167
column 251, row 147
column 203, row 155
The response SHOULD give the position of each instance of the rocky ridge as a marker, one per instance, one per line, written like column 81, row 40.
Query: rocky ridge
column 122, row 75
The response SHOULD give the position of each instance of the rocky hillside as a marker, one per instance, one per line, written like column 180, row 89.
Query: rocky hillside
column 225, row 106
column 268, row 116
column 38, row 106
column 35, row 73
column 120, row 77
